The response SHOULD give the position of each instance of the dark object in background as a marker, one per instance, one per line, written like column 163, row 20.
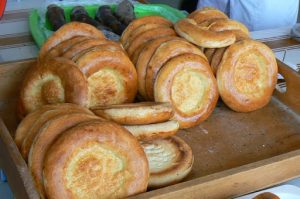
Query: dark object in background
column 125, row 12
column 79, row 14
column 111, row 35
column 56, row 16
column 189, row 5
column 105, row 15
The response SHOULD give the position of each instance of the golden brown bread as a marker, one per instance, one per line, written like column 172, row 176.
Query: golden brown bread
column 216, row 59
column 142, row 21
column 147, row 36
column 45, row 137
column 207, row 14
column 186, row 81
column 228, row 24
column 162, row 54
column 68, row 31
column 58, row 81
column 83, row 46
column 209, row 52
column 170, row 160
column 43, row 118
column 153, row 131
column 247, row 75
column 141, row 29
column 62, row 47
column 136, row 113
column 143, row 60
column 202, row 36
column 111, row 76
column 27, row 121
column 95, row 160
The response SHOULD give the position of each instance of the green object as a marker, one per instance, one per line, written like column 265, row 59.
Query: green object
column 41, row 29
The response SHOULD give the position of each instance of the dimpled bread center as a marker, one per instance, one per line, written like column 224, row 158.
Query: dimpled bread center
column 48, row 89
column 188, row 90
column 106, row 87
column 250, row 74
column 160, row 155
column 95, row 172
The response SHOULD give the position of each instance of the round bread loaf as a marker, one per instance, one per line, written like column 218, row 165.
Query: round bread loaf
column 247, row 75
column 202, row 36
column 162, row 54
column 170, row 160
column 95, row 160
column 186, row 81
column 136, row 113
column 45, row 137
column 68, row 31
column 59, row 80
column 140, row 22
column 207, row 14
column 111, row 76
column 153, row 131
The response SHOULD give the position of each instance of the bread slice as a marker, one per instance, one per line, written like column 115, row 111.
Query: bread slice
column 136, row 113
column 95, row 160
column 170, row 160
column 153, row 131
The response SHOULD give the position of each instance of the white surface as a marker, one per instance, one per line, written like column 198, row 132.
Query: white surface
column 283, row 192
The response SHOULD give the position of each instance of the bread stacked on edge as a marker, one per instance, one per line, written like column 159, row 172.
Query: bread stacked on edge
column 171, row 69
column 78, row 65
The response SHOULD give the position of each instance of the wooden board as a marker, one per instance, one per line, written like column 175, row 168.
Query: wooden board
column 235, row 153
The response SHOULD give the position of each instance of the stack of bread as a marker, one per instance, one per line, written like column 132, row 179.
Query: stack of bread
column 170, row 69
column 73, row 153
column 170, row 158
column 246, row 70
column 78, row 65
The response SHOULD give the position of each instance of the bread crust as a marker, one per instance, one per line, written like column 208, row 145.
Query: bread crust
column 92, row 155
column 247, row 75
column 153, row 131
column 216, row 59
column 141, row 29
column 59, row 80
column 147, row 36
column 203, row 15
column 111, row 76
column 45, row 137
column 162, row 54
column 202, row 36
column 143, row 60
column 43, row 118
column 27, row 121
column 186, row 81
column 62, row 47
column 68, row 31
column 83, row 46
column 142, row 21
column 170, row 160
column 136, row 113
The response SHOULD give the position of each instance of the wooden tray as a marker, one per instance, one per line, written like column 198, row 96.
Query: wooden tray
column 235, row 153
